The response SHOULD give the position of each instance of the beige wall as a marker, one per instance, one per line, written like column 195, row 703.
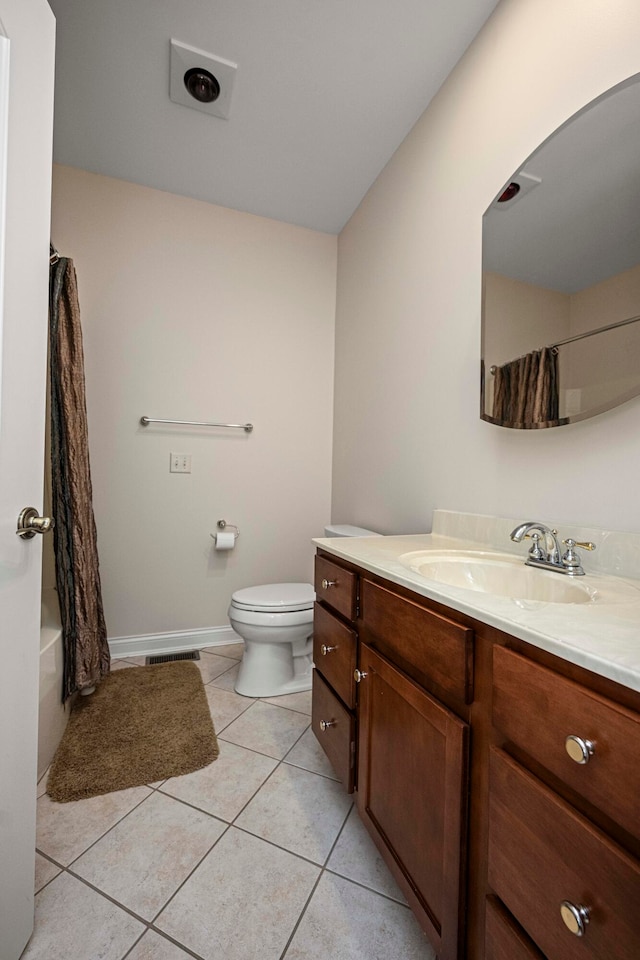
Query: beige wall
column 610, row 361
column 407, row 434
column 191, row 311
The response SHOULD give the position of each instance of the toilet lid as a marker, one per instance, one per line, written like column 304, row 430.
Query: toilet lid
column 274, row 597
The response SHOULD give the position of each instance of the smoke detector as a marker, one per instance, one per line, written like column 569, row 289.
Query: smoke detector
column 201, row 80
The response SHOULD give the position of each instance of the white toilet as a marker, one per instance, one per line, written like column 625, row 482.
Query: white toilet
column 275, row 621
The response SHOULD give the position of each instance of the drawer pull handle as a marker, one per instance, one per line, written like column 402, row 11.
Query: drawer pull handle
column 358, row 675
column 325, row 724
column 574, row 918
column 329, row 583
column 579, row 750
column 324, row 649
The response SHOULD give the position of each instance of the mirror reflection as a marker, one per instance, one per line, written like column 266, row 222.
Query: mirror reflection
column 561, row 273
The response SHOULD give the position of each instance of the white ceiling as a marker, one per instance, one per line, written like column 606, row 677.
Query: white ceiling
column 325, row 92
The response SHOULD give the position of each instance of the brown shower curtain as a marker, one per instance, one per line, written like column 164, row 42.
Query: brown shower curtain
column 525, row 391
column 86, row 652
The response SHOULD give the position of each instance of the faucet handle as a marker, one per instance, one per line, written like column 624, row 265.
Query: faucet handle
column 585, row 544
column 571, row 560
column 535, row 553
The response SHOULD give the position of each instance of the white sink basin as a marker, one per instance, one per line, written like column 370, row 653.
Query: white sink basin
column 499, row 574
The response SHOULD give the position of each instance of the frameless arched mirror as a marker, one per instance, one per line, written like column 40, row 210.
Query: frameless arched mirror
column 561, row 273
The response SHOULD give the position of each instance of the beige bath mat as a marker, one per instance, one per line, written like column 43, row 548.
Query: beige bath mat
column 141, row 725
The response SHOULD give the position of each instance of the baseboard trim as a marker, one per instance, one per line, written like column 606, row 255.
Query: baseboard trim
column 151, row 644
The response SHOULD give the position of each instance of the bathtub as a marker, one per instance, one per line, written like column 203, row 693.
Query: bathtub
column 52, row 716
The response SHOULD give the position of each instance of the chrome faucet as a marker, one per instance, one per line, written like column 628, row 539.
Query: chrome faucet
column 550, row 556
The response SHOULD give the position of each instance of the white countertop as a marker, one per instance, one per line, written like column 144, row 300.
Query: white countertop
column 601, row 636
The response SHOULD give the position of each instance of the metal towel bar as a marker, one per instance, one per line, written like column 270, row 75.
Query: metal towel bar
column 247, row 427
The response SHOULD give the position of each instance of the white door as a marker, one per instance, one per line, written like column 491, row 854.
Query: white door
column 27, row 31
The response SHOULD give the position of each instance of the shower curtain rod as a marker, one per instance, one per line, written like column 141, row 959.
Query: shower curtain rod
column 592, row 333
column 582, row 336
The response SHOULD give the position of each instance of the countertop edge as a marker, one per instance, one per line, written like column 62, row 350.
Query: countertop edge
column 619, row 662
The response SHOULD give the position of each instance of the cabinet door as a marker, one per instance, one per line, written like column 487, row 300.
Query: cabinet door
column 412, row 785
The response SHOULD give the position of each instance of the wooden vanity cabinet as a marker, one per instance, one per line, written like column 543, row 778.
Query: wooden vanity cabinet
column 411, row 748
column 466, row 744
column 564, row 812
column 412, row 776
column 333, row 717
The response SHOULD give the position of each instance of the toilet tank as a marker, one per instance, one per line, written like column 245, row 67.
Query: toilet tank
column 347, row 530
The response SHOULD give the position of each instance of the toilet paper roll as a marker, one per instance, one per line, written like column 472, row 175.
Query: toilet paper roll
column 225, row 540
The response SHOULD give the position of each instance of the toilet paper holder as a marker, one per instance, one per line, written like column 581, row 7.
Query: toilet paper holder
column 222, row 525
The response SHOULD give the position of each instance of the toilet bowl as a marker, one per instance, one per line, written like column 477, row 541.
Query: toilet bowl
column 275, row 620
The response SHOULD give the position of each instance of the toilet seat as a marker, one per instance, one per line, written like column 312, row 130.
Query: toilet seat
column 274, row 598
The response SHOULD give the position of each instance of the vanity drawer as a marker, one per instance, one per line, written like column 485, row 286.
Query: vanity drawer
column 542, row 853
column 504, row 939
column 337, row 738
column 555, row 708
column 336, row 587
column 426, row 645
column 334, row 653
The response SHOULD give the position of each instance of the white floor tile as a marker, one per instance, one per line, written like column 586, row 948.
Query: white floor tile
column 225, row 786
column 292, row 701
column 73, row 922
column 232, row 650
column 356, row 857
column 298, row 810
column 211, row 666
column 242, row 902
column 145, row 858
column 267, row 729
column 65, row 830
column 225, row 705
column 308, row 753
column 346, row 922
column 227, row 681
column 42, row 784
column 45, row 871
column 154, row 947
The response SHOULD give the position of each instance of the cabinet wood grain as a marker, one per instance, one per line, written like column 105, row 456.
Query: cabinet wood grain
column 504, row 939
column 336, row 586
column 541, row 853
column 337, row 739
column 537, row 709
column 433, row 649
column 412, row 780
column 334, row 653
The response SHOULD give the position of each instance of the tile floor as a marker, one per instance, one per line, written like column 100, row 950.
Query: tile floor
column 260, row 856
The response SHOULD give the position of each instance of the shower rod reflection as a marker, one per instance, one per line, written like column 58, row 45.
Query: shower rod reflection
column 247, row 427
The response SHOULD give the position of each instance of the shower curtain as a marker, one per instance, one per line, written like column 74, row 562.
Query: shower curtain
column 525, row 391
column 86, row 652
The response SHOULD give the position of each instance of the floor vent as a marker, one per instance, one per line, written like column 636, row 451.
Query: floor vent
column 170, row 657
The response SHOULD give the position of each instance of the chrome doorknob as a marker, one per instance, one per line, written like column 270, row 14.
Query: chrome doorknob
column 359, row 675
column 329, row 583
column 325, row 724
column 324, row 649
column 575, row 918
column 29, row 523
column 579, row 749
